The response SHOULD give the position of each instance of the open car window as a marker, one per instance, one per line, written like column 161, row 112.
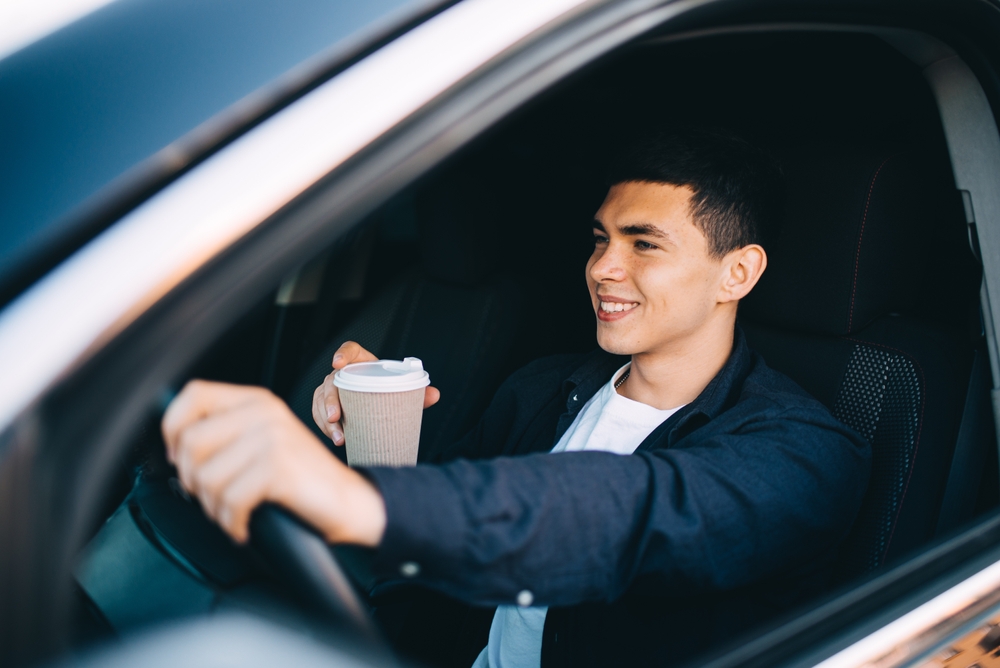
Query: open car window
column 873, row 303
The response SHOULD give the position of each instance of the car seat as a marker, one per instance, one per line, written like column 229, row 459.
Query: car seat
column 455, row 311
column 866, row 303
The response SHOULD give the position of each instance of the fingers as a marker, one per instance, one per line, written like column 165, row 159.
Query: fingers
column 199, row 442
column 331, row 400
column 210, row 479
column 331, row 408
column 236, row 447
column 326, row 399
column 319, row 411
column 351, row 353
column 232, row 484
column 197, row 400
column 240, row 499
column 326, row 410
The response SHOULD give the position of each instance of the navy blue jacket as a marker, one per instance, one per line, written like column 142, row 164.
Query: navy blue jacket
column 729, row 511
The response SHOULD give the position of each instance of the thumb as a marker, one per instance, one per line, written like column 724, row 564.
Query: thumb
column 431, row 396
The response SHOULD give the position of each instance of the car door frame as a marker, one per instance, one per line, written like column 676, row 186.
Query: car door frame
column 59, row 439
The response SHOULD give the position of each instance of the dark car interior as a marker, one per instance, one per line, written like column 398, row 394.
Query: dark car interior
column 870, row 302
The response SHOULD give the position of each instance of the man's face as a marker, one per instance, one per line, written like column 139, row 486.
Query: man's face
column 652, row 281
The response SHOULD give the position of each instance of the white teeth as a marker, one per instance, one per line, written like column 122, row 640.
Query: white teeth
column 615, row 307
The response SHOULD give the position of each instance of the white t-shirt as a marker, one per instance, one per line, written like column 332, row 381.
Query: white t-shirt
column 608, row 422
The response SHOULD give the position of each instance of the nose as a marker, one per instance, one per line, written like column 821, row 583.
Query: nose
column 609, row 266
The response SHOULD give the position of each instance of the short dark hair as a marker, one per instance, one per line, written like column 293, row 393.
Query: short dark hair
column 738, row 187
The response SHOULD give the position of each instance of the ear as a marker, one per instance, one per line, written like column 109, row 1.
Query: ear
column 741, row 269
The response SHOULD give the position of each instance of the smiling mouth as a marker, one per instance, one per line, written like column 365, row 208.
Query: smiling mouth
column 615, row 307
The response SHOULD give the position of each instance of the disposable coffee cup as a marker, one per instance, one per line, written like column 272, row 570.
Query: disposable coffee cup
column 382, row 404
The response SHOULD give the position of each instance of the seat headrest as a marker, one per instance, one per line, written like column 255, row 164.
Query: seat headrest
column 856, row 241
column 460, row 229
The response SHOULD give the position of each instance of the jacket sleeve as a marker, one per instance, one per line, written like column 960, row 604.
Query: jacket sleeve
column 585, row 526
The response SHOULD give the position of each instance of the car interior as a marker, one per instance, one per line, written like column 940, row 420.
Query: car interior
column 870, row 302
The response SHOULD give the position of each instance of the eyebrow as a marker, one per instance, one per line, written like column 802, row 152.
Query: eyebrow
column 636, row 229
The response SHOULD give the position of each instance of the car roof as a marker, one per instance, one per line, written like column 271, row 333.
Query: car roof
column 87, row 109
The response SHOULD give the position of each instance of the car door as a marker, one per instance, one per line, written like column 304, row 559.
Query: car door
column 90, row 347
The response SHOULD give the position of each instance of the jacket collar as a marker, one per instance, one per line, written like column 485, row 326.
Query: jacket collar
column 721, row 393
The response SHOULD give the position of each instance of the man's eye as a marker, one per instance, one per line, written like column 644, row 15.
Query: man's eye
column 600, row 239
column 644, row 245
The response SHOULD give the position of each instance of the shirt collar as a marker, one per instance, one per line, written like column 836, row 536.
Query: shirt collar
column 723, row 391
column 589, row 377
column 720, row 393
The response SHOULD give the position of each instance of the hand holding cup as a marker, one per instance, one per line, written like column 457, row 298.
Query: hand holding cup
column 326, row 408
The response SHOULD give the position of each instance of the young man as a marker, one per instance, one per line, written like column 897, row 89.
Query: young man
column 736, row 489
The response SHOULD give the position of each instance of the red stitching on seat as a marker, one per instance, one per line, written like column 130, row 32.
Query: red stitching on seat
column 857, row 255
column 916, row 442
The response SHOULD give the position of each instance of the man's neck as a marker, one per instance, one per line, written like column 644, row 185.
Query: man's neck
column 677, row 375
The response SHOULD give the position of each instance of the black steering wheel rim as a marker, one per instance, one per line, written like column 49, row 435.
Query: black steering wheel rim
column 307, row 564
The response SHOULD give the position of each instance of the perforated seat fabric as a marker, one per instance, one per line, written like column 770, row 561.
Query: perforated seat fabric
column 881, row 397
column 839, row 310
column 900, row 383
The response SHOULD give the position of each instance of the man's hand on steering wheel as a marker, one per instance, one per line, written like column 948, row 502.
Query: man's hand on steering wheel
column 236, row 447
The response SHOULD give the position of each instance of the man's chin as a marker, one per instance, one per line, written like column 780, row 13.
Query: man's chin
column 616, row 346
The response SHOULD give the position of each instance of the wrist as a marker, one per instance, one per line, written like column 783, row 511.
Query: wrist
column 361, row 512
column 341, row 504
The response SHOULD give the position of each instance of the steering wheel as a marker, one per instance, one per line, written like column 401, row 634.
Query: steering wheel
column 304, row 560
column 309, row 566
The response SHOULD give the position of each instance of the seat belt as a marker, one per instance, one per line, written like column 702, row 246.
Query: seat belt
column 975, row 434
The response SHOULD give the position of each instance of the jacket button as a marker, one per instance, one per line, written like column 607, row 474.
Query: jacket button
column 409, row 569
column 525, row 598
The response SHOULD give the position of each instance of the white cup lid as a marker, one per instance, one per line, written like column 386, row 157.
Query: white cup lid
column 383, row 376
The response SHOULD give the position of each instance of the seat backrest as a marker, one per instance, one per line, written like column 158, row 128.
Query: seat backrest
column 454, row 311
column 865, row 303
